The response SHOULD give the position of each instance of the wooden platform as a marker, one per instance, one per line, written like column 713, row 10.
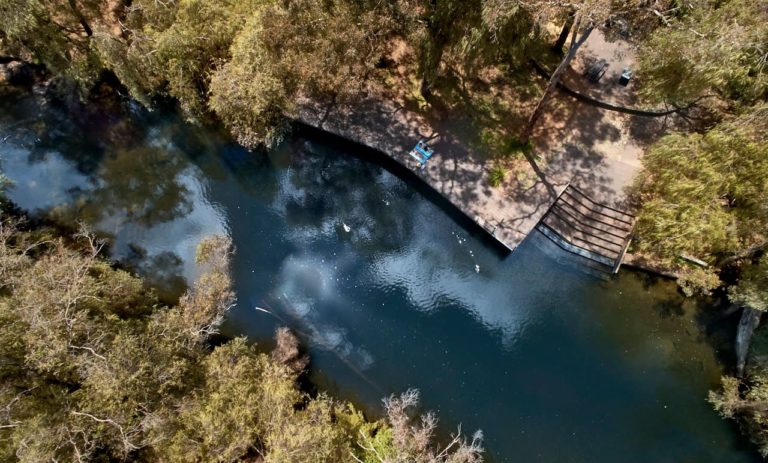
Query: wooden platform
column 598, row 233
column 455, row 172
column 599, row 158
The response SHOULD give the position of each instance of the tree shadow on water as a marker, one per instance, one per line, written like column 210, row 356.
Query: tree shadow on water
column 668, row 308
column 162, row 272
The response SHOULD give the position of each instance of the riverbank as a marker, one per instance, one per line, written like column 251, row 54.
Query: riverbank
column 396, row 297
column 576, row 143
column 461, row 174
column 179, row 397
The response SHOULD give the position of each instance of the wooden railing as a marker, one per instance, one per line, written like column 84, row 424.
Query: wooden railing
column 580, row 225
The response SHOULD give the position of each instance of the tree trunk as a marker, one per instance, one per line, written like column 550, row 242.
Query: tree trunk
column 747, row 406
column 425, row 88
column 560, row 43
column 430, row 64
column 432, row 50
column 532, row 161
column 328, row 109
column 81, row 18
column 555, row 79
column 750, row 319
column 748, row 253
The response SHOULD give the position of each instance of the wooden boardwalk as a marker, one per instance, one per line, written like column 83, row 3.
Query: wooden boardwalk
column 599, row 233
column 455, row 172
column 460, row 174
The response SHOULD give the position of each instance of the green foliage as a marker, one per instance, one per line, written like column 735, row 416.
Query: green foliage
column 172, row 48
column 496, row 176
column 516, row 146
column 704, row 194
column 502, row 144
column 285, row 52
column 95, row 363
column 752, row 288
column 56, row 33
column 695, row 280
column 447, row 24
column 405, row 441
column 250, row 61
column 182, row 53
column 746, row 400
column 241, row 394
column 94, row 370
column 726, row 401
column 473, row 34
column 248, row 95
column 4, row 184
column 714, row 48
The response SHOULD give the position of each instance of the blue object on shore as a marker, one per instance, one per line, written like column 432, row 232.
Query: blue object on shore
column 424, row 153
column 421, row 152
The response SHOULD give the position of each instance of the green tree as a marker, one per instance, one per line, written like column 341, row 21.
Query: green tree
column 285, row 52
column 583, row 17
column 471, row 33
column 703, row 195
column 173, row 47
column 507, row 35
column 752, row 288
column 746, row 399
column 751, row 293
column 584, row 23
column 750, row 408
column 708, row 49
column 94, row 366
column 411, row 440
column 446, row 23
column 94, row 370
column 57, row 33
column 4, row 183
column 242, row 393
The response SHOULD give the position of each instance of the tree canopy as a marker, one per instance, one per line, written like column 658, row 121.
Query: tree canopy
column 708, row 49
column 90, row 343
column 704, row 194
column 249, row 61
column 95, row 369
column 752, row 288
column 285, row 52
column 57, row 33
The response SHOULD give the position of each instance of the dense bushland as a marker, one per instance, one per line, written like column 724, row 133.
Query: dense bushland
column 93, row 368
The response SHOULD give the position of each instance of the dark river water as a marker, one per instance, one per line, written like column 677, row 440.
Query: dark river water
column 386, row 289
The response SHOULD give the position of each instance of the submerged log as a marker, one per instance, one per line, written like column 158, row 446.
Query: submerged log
column 750, row 319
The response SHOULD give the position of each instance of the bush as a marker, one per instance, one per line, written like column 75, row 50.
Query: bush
column 496, row 176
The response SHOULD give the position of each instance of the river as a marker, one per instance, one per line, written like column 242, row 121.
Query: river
column 386, row 288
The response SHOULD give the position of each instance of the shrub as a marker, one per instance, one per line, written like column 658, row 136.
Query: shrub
column 496, row 176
